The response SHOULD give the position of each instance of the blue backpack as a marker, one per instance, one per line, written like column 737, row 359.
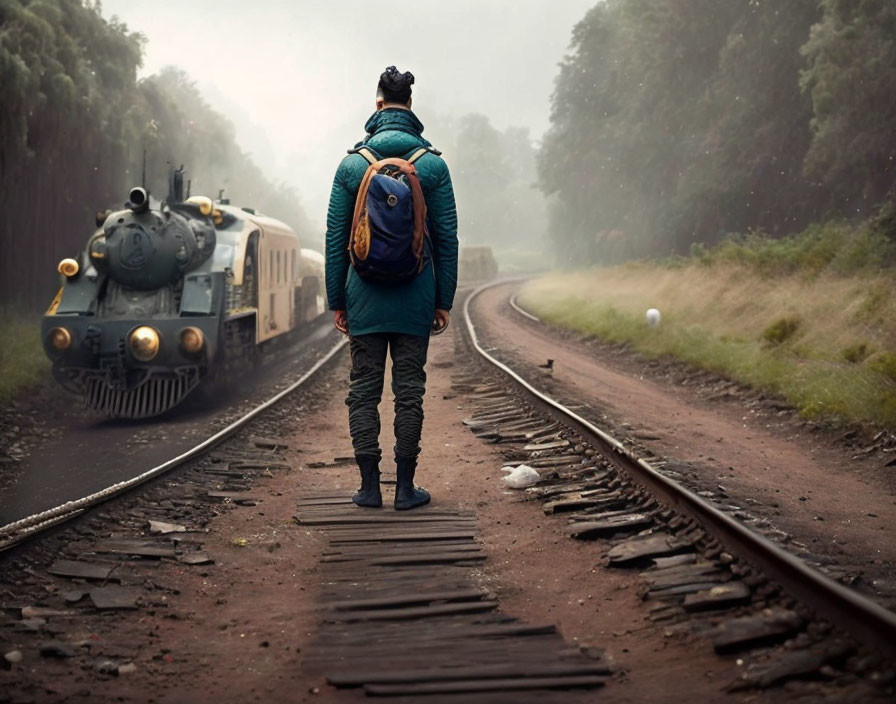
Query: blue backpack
column 388, row 232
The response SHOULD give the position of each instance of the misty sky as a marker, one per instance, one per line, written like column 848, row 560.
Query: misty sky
column 297, row 78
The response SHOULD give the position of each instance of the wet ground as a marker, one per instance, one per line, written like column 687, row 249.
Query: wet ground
column 69, row 453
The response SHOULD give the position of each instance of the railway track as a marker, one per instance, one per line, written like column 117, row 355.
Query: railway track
column 19, row 530
column 701, row 560
column 411, row 584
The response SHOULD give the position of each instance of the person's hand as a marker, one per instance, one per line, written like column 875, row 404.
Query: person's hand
column 340, row 321
column 440, row 321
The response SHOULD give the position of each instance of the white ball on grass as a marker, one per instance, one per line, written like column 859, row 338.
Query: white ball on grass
column 653, row 317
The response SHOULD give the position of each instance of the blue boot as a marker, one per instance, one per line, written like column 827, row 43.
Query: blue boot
column 407, row 495
column 369, row 495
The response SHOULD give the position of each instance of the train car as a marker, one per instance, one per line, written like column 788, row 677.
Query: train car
column 476, row 263
column 166, row 294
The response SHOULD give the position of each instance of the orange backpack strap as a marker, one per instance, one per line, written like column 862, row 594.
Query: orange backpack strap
column 359, row 240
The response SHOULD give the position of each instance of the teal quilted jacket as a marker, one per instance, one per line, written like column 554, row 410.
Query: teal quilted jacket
column 406, row 308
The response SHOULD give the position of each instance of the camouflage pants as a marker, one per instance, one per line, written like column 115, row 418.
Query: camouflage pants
column 408, row 354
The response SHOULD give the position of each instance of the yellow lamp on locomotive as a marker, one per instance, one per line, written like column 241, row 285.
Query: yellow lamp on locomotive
column 68, row 267
column 192, row 340
column 145, row 343
column 60, row 338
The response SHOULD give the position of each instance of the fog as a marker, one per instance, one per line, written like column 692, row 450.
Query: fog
column 297, row 79
column 578, row 132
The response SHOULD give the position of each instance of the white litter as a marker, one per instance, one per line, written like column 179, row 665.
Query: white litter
column 520, row 477
column 163, row 528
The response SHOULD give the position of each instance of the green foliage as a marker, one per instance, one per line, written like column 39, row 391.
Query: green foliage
column 493, row 180
column 23, row 364
column 807, row 377
column 884, row 363
column 854, row 354
column 682, row 121
column 850, row 77
column 74, row 124
column 781, row 330
column 834, row 247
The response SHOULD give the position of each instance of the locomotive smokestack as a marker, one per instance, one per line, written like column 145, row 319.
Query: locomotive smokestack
column 138, row 200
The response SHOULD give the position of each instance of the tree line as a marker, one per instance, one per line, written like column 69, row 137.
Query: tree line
column 73, row 130
column 682, row 121
column 495, row 183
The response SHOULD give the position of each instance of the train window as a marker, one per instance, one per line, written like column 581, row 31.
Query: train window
column 293, row 269
column 278, row 266
column 271, row 266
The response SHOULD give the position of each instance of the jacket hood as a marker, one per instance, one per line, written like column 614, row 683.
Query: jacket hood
column 393, row 132
column 393, row 119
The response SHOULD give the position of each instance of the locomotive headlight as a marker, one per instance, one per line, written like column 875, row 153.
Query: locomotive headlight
column 192, row 340
column 68, row 267
column 144, row 343
column 60, row 338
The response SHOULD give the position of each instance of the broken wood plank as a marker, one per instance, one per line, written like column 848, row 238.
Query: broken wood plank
column 352, row 678
column 407, row 599
column 140, row 548
column 614, row 524
column 80, row 570
column 769, row 626
column 496, row 685
column 684, row 574
column 720, row 597
column 404, row 537
column 428, row 559
column 597, row 501
column 412, row 612
column 641, row 549
column 541, row 447
column 793, row 665
column 269, row 443
column 196, row 558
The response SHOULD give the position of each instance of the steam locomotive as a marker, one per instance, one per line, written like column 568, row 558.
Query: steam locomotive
column 166, row 294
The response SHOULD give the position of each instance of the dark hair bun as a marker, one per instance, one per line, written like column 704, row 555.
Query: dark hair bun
column 393, row 79
column 396, row 86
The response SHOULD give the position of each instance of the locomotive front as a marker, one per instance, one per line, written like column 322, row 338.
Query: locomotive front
column 136, row 323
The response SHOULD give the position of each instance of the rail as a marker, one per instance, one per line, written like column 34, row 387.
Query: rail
column 13, row 533
column 864, row 619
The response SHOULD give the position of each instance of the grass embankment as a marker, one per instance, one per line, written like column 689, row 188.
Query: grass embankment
column 811, row 318
column 23, row 364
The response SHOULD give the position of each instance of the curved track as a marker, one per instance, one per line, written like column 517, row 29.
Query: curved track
column 865, row 620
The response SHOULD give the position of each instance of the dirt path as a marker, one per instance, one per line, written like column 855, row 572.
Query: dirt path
column 236, row 631
column 832, row 508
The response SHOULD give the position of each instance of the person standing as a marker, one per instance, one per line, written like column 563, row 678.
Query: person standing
column 397, row 318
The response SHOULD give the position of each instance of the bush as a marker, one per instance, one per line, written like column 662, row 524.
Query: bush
column 23, row 364
column 781, row 330
column 856, row 353
column 835, row 246
column 885, row 364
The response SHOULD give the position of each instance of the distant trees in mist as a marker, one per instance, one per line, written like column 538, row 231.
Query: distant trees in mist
column 495, row 183
column 680, row 121
column 73, row 127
